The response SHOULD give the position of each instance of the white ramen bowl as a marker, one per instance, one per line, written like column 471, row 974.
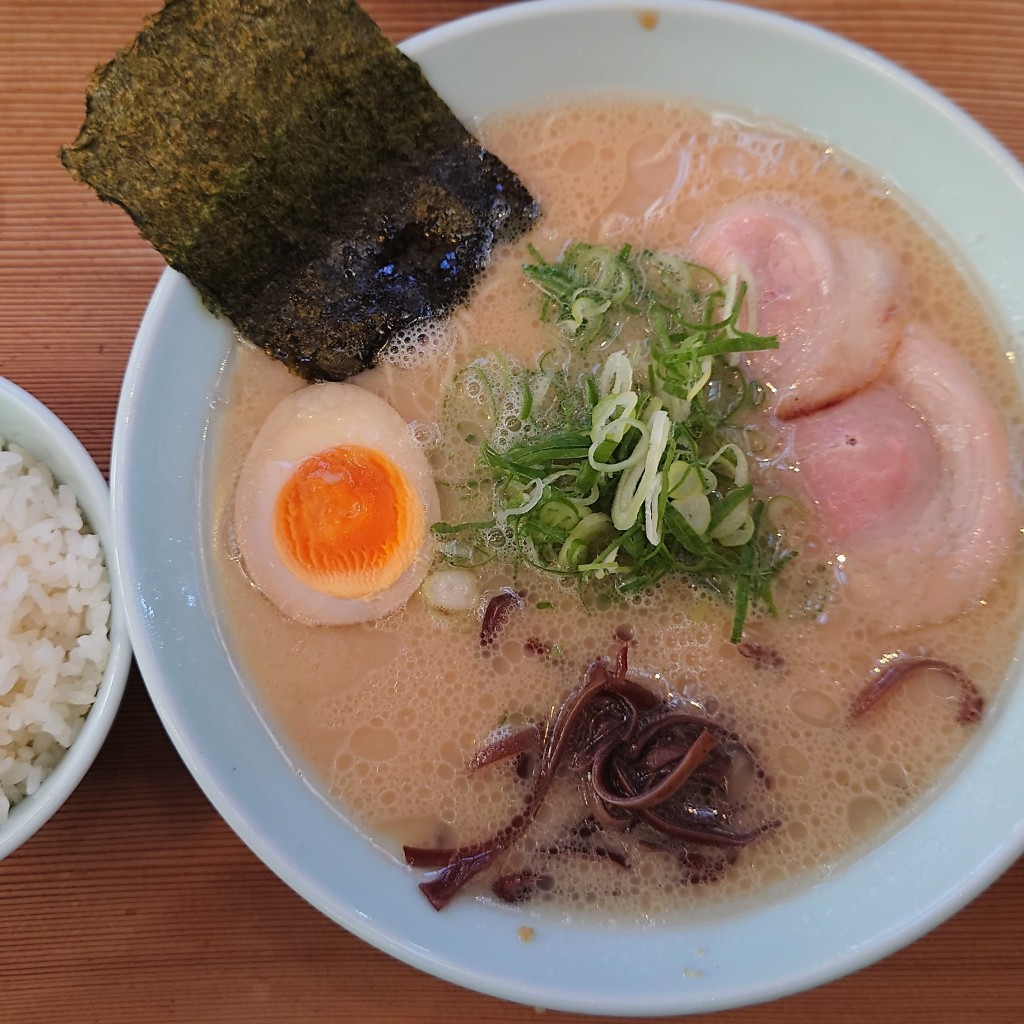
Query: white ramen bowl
column 25, row 421
column 919, row 873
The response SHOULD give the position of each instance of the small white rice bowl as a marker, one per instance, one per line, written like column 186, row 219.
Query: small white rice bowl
column 64, row 655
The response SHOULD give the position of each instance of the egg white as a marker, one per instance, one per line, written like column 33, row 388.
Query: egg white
column 304, row 423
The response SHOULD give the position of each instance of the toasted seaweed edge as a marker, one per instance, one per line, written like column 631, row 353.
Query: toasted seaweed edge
column 258, row 219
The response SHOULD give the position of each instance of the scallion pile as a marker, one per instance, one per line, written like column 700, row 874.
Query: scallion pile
column 623, row 462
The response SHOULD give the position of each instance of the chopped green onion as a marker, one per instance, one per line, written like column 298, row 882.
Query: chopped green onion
column 628, row 469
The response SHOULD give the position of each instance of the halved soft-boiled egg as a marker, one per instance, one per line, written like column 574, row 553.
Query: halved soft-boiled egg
column 334, row 505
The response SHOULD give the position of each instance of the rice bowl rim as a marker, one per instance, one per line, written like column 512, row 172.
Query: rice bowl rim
column 911, row 881
column 28, row 423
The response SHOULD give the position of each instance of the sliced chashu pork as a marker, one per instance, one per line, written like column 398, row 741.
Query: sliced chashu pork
column 832, row 306
column 910, row 478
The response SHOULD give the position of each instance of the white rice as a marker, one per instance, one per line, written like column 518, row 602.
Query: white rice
column 54, row 616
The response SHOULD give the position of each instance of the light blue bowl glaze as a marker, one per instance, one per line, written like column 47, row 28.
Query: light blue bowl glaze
column 941, row 856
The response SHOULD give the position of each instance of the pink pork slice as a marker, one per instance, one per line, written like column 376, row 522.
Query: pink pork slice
column 910, row 478
column 831, row 305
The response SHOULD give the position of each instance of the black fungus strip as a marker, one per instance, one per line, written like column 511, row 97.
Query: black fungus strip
column 641, row 764
column 496, row 614
column 762, row 656
column 884, row 680
column 511, row 745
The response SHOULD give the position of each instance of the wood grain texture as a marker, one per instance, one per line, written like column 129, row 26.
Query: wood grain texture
column 136, row 903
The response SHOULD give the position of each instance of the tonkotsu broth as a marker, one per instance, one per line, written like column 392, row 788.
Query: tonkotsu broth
column 385, row 716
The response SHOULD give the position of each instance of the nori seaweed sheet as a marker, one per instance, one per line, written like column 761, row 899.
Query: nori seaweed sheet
column 300, row 171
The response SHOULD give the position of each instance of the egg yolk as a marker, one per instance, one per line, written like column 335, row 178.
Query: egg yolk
column 348, row 522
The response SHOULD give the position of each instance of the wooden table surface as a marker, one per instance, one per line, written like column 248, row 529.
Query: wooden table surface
column 137, row 902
